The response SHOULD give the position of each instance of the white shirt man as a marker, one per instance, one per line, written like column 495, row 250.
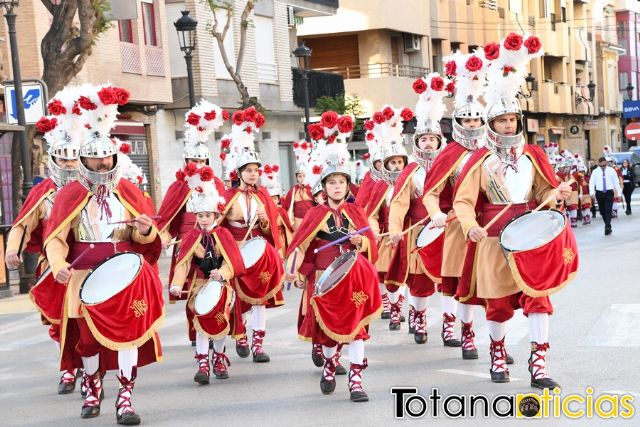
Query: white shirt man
column 602, row 182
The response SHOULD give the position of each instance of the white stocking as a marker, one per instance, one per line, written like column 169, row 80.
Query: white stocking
column 420, row 303
column 497, row 330
column 328, row 352
column 202, row 343
column 127, row 359
column 356, row 352
column 539, row 327
column 259, row 317
column 465, row 312
column 448, row 304
column 91, row 364
column 218, row 345
column 393, row 296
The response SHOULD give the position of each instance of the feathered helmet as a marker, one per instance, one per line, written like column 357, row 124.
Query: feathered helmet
column 204, row 195
column 505, row 75
column 98, row 107
column 270, row 178
column 238, row 149
column 430, row 108
column 374, row 153
column 128, row 169
column 387, row 131
column 63, row 131
column 468, row 72
column 200, row 122
column 313, row 170
column 331, row 135
column 607, row 153
column 302, row 151
column 551, row 150
column 567, row 161
column 580, row 165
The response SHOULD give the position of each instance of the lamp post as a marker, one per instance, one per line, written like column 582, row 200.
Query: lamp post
column 592, row 90
column 25, row 158
column 186, row 29
column 630, row 91
column 303, row 53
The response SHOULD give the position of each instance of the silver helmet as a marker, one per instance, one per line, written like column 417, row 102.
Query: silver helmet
column 66, row 151
column 96, row 147
column 393, row 150
column 333, row 169
column 317, row 188
column 197, row 151
column 426, row 157
column 247, row 157
column 471, row 139
column 507, row 147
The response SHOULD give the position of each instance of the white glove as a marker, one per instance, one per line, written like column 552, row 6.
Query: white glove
column 439, row 219
column 175, row 290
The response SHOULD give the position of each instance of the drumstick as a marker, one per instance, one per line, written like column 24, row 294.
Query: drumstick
column 552, row 197
column 129, row 221
column 24, row 235
column 293, row 267
column 253, row 223
column 340, row 240
column 431, row 227
column 495, row 218
column 79, row 257
column 408, row 229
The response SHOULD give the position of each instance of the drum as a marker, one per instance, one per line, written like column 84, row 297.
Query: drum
column 430, row 244
column 213, row 306
column 346, row 296
column 264, row 272
column 208, row 297
column 122, row 301
column 541, row 251
column 48, row 296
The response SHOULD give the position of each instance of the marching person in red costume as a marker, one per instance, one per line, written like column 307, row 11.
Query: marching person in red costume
column 566, row 171
column 468, row 135
column 271, row 181
column 299, row 199
column 501, row 181
column 200, row 122
column 94, row 218
column 338, row 315
column 209, row 259
column 63, row 133
column 249, row 214
column 585, row 198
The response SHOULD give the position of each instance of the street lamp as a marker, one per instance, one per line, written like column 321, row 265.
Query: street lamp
column 186, row 29
column 25, row 158
column 592, row 90
column 303, row 53
column 630, row 91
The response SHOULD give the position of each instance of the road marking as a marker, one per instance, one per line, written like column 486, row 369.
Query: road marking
column 616, row 327
column 470, row 374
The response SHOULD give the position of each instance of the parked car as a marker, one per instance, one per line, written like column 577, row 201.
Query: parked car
column 633, row 156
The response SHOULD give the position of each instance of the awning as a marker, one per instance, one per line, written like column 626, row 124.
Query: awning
column 556, row 130
column 128, row 127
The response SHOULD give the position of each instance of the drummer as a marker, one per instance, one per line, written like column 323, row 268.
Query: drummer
column 299, row 199
column 506, row 172
column 468, row 136
column 28, row 227
column 270, row 179
column 251, row 213
column 209, row 252
column 83, row 214
column 321, row 225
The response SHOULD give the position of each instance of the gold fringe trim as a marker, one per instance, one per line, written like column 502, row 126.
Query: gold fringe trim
column 156, row 341
column 177, row 210
column 528, row 289
column 115, row 346
column 343, row 338
column 259, row 301
column 67, row 220
column 303, row 338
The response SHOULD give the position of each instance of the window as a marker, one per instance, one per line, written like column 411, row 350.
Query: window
column 265, row 52
column 125, row 31
column 149, row 23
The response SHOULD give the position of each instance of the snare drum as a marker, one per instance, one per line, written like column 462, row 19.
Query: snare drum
column 122, row 301
column 48, row 296
column 264, row 272
column 430, row 245
column 208, row 297
column 212, row 306
column 541, row 251
column 334, row 274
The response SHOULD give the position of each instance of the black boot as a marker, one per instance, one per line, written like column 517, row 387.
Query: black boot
column 242, row 347
column 202, row 376
column 420, row 334
column 340, row 370
column 357, row 394
column 448, row 335
column 328, row 380
column 68, row 382
column 259, row 355
column 412, row 319
column 91, row 405
column 125, row 414
column 316, row 355
column 469, row 350
column 537, row 367
column 499, row 372
column 394, row 322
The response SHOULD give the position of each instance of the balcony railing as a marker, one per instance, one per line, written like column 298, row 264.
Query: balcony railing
column 320, row 84
column 372, row 71
column 155, row 61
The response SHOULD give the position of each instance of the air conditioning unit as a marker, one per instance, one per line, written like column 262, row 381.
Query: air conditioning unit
column 411, row 42
column 291, row 17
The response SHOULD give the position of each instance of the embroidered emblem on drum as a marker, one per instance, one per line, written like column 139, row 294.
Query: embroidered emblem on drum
column 219, row 318
column 568, row 255
column 264, row 277
column 359, row 298
column 139, row 307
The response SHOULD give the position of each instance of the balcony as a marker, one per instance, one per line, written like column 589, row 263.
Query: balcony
column 320, row 84
column 555, row 43
column 579, row 45
column 555, row 97
column 155, row 60
column 130, row 58
column 379, row 70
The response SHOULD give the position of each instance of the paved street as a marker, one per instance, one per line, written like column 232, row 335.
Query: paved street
column 594, row 342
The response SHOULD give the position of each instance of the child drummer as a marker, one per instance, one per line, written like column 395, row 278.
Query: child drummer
column 355, row 301
column 209, row 253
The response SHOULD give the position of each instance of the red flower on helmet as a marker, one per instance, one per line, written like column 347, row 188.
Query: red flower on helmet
column 107, row 96
column 316, row 132
column 451, row 87
column 437, row 83
column 331, row 138
column 206, row 173
column 378, row 117
column 211, row 115
column 125, row 148
column 225, row 115
column 250, row 114
column 491, row 51
column 369, row 136
column 76, row 109
column 450, row 68
column 369, row 125
column 233, row 175
column 193, row 119
column 317, row 169
column 225, row 143
column 260, row 120
column 345, row 124
column 419, row 86
column 86, row 104
column 267, row 169
column 238, row 117
column 248, row 129
column 406, row 114
column 388, row 113
column 533, row 45
column 366, row 156
column 45, row 125
column 473, row 63
column 180, row 175
column 329, row 119
column 513, row 42
column 223, row 156
column 56, row 108
column 139, row 177
column 296, row 145
column 121, row 95
column 191, row 169
column 276, row 168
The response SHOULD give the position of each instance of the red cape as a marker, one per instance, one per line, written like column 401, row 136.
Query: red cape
column 366, row 186
column 288, row 198
column 285, row 218
column 376, row 196
column 535, row 154
column 404, row 179
column 354, row 188
column 176, row 198
column 318, row 215
column 444, row 165
column 225, row 242
column 73, row 197
column 271, row 210
column 34, row 198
